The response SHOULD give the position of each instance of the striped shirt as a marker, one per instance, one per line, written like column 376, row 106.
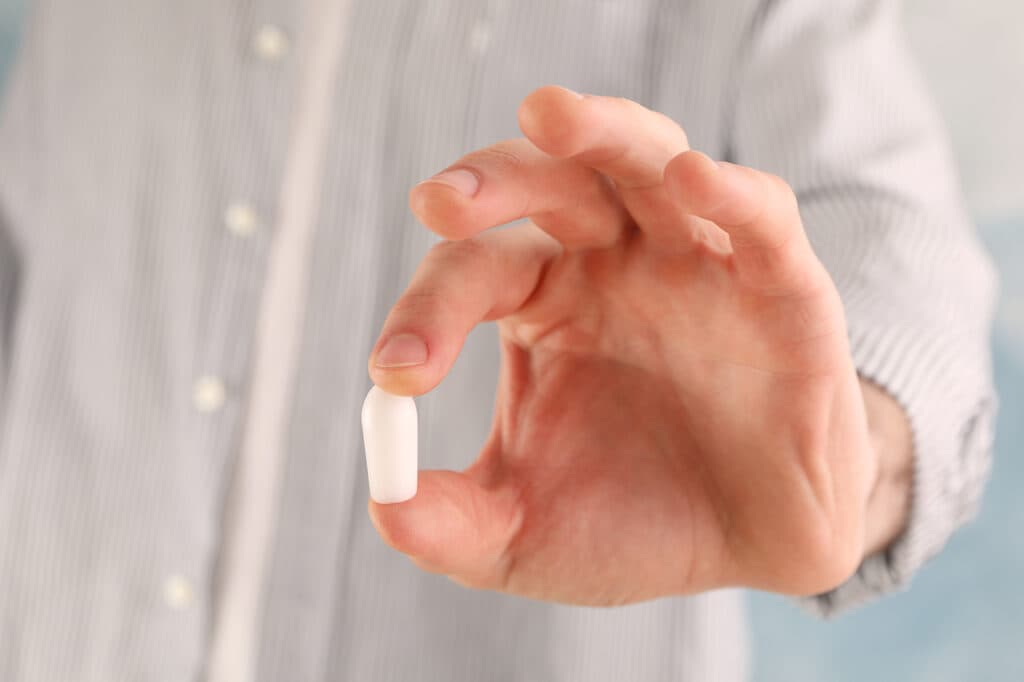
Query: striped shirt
column 203, row 222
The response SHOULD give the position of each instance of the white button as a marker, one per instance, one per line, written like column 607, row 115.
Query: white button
column 208, row 394
column 480, row 37
column 270, row 43
column 241, row 219
column 178, row 592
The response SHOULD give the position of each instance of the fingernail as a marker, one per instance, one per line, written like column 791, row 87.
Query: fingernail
column 460, row 179
column 402, row 350
column 574, row 93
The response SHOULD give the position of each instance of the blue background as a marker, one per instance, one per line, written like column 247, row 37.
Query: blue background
column 964, row 617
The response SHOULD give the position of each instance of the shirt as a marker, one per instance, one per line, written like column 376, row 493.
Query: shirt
column 202, row 203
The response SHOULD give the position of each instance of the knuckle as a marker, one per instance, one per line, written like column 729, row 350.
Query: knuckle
column 465, row 254
column 501, row 157
column 424, row 301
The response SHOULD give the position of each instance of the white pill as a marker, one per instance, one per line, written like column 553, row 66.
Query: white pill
column 390, row 437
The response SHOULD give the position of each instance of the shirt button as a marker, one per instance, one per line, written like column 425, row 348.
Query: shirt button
column 208, row 394
column 178, row 592
column 480, row 37
column 240, row 219
column 270, row 43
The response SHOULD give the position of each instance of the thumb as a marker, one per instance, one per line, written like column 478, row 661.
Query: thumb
column 454, row 526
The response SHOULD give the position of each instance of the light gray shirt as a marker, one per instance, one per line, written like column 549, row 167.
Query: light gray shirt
column 203, row 221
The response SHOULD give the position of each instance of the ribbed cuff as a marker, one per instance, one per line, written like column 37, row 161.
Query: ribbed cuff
column 942, row 382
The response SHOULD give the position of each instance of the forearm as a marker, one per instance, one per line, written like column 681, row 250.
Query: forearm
column 889, row 502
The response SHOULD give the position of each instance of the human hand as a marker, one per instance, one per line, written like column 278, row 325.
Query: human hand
column 677, row 408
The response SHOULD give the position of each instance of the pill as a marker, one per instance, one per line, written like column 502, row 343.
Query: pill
column 390, row 437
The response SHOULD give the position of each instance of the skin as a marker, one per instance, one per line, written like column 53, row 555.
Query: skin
column 677, row 408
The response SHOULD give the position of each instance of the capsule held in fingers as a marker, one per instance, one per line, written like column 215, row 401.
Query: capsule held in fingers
column 391, row 440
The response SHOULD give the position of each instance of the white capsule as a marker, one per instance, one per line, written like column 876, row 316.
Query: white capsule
column 390, row 437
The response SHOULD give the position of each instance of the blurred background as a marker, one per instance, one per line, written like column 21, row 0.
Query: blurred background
column 964, row 617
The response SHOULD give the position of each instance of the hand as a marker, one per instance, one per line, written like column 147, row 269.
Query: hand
column 677, row 409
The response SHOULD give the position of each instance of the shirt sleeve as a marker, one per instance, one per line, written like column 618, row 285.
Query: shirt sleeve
column 827, row 97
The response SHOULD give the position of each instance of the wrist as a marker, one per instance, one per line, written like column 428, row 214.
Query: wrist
column 888, row 504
